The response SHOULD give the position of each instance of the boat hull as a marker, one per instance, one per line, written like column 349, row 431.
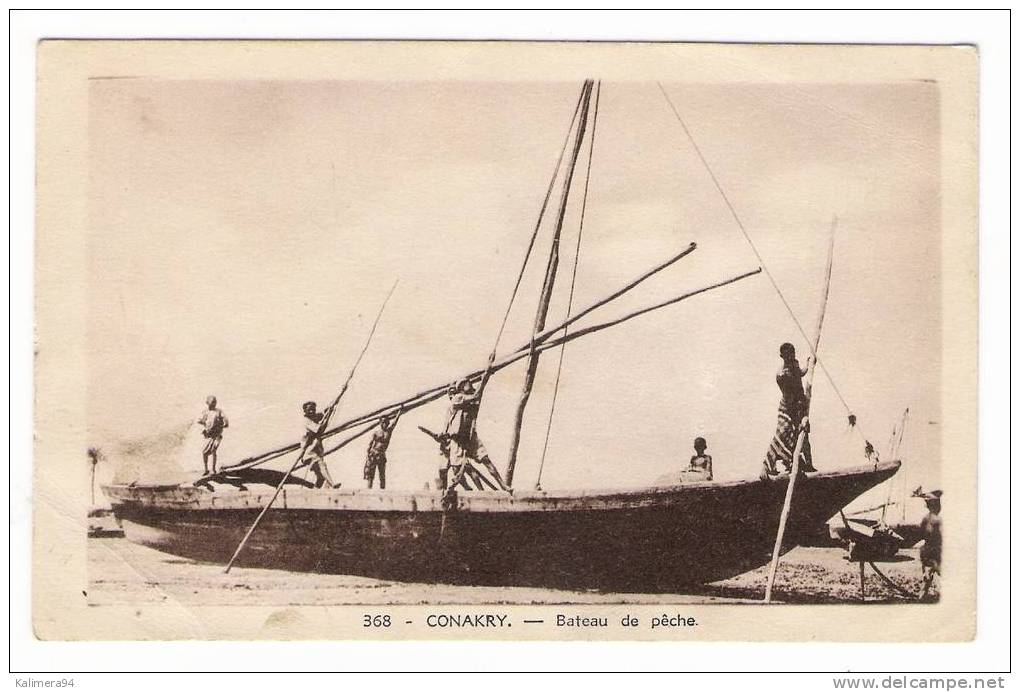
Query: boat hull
column 654, row 539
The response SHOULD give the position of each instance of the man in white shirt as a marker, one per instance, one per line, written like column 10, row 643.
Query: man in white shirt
column 213, row 422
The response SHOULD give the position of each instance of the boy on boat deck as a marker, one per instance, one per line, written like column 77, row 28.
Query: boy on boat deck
column 213, row 422
column 700, row 468
column 312, row 443
column 792, row 408
column 375, row 458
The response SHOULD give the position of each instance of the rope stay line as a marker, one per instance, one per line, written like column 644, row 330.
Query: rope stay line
column 573, row 283
column 757, row 254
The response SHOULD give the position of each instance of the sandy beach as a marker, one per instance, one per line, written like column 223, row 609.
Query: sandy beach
column 121, row 572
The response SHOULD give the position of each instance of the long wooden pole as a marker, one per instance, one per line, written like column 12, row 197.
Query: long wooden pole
column 808, row 381
column 276, row 453
column 615, row 294
column 347, row 440
column 323, row 424
column 430, row 395
column 794, row 469
column 802, row 436
column 547, row 287
column 435, row 392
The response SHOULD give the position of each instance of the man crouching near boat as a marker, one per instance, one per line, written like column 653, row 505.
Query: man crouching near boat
column 465, row 447
column 792, row 408
column 314, row 455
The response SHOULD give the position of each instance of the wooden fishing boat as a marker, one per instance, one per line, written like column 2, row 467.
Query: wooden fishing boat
column 627, row 540
column 651, row 539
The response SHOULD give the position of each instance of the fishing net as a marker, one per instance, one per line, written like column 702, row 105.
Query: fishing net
column 163, row 458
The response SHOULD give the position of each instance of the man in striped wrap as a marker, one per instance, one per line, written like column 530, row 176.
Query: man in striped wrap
column 792, row 409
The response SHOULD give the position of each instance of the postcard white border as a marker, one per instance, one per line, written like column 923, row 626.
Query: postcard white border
column 989, row 32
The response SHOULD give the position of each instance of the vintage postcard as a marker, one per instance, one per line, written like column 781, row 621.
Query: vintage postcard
column 428, row 340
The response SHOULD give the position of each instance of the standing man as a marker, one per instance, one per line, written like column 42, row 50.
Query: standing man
column 213, row 422
column 931, row 551
column 461, row 427
column 446, row 471
column 312, row 444
column 792, row 409
column 454, row 469
column 375, row 459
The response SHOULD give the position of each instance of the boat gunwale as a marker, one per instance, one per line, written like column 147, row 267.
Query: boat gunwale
column 188, row 497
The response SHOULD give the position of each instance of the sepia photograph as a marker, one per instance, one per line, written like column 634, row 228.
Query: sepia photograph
column 669, row 333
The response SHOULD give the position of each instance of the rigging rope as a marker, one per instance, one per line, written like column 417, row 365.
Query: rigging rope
column 573, row 282
column 538, row 224
column 893, row 585
column 754, row 248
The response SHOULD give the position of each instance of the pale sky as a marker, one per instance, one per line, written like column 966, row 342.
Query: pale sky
column 243, row 235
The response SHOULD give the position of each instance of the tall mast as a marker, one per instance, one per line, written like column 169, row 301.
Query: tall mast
column 547, row 286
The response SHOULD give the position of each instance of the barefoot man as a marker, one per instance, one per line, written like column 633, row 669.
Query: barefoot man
column 465, row 447
column 375, row 458
column 213, row 422
column 313, row 446
column 792, row 408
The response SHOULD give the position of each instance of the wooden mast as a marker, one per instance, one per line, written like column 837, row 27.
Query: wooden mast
column 802, row 437
column 547, row 286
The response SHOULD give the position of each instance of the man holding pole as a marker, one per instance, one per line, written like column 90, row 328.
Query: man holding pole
column 465, row 447
column 312, row 443
column 375, row 458
column 792, row 409
column 443, row 440
column 315, row 426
